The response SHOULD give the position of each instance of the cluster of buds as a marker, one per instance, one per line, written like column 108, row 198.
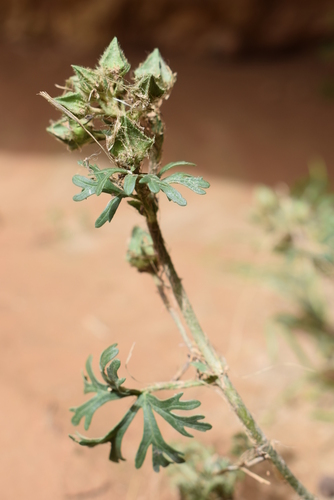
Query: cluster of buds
column 100, row 104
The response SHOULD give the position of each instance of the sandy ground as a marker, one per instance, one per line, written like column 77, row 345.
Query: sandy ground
column 67, row 292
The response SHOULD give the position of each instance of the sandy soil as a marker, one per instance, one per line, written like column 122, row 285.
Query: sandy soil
column 67, row 292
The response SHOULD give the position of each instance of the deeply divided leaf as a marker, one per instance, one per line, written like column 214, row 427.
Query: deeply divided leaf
column 196, row 184
column 162, row 453
column 174, row 164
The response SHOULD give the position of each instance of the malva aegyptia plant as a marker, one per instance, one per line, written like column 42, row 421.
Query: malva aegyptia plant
column 122, row 116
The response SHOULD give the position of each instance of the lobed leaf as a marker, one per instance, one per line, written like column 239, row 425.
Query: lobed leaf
column 155, row 185
column 103, row 395
column 174, row 164
column 162, row 453
column 109, row 373
column 109, row 212
column 196, row 184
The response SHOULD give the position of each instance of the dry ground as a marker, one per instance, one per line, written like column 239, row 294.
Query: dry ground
column 67, row 292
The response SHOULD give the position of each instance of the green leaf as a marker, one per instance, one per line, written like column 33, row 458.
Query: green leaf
column 156, row 66
column 130, row 183
column 109, row 373
column 109, row 212
column 174, row 164
column 114, row 60
column 114, row 437
column 73, row 102
column 172, row 194
column 155, row 185
column 102, row 177
column 90, row 186
column 137, row 205
column 103, row 395
column 162, row 453
column 196, row 184
column 131, row 145
column 152, row 435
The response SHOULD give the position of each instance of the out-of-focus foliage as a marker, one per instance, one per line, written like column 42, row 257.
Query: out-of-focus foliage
column 204, row 475
column 298, row 226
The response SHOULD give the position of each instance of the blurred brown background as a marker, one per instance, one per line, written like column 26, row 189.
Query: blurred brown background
column 253, row 103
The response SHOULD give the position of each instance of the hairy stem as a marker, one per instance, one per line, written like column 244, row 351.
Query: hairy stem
column 174, row 385
column 172, row 312
column 216, row 363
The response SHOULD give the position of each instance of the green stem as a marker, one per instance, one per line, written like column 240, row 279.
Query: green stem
column 174, row 385
column 216, row 363
column 172, row 312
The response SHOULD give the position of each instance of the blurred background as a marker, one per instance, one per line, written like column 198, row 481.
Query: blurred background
column 253, row 103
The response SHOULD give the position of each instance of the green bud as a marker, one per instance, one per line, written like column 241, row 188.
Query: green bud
column 69, row 132
column 156, row 66
column 141, row 253
column 114, row 60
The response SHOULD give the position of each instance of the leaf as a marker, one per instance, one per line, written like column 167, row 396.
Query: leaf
column 196, row 184
column 152, row 435
column 172, row 194
column 129, row 183
column 103, row 395
column 174, row 164
column 73, row 102
column 137, row 205
column 114, row 437
column 155, row 185
column 109, row 373
column 90, row 186
column 162, row 453
column 109, row 212
column 113, row 59
column 102, row 177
